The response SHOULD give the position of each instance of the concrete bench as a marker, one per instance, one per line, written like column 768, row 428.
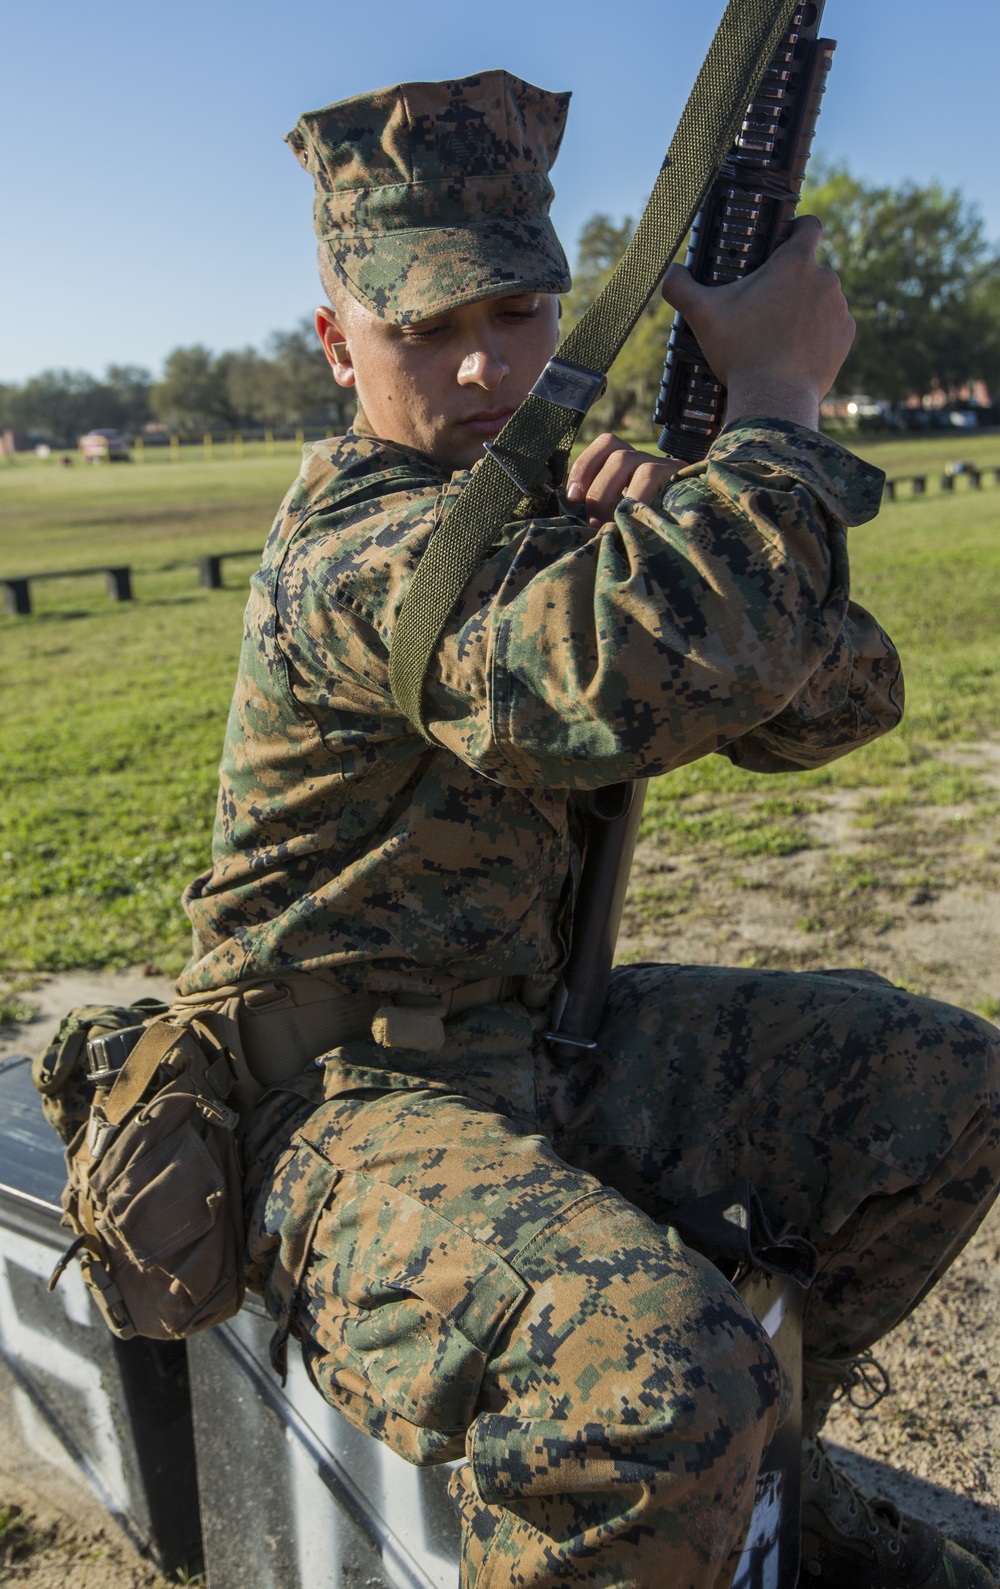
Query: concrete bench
column 195, row 1447
column 17, row 590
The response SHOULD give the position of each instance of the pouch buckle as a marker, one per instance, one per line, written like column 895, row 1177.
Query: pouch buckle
column 99, row 1134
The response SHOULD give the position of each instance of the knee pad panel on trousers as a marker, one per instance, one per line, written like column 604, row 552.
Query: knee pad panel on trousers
column 889, row 1079
column 634, row 1395
column 632, row 1359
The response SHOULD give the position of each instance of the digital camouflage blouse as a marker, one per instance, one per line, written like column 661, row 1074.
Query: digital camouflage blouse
column 716, row 618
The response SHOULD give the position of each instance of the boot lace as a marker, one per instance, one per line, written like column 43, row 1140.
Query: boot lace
column 876, row 1513
column 867, row 1384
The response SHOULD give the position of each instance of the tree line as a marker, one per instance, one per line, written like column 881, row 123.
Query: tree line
column 921, row 277
column 286, row 386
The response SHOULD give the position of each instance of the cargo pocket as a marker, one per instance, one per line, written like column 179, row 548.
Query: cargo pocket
column 402, row 1310
column 166, row 1198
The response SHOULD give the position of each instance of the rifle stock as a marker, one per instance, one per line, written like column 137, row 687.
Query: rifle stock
column 612, row 816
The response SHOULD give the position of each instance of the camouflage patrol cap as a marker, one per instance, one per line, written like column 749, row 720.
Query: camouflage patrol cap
column 433, row 195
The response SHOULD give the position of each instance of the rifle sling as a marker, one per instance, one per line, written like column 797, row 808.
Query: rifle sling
column 542, row 431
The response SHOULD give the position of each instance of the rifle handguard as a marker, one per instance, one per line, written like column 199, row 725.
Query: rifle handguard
column 747, row 214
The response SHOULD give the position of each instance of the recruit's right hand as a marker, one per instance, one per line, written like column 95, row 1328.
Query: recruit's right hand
column 777, row 338
column 609, row 469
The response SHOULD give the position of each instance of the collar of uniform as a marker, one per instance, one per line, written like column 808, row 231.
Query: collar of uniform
column 361, row 426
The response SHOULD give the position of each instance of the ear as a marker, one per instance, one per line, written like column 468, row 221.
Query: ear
column 334, row 339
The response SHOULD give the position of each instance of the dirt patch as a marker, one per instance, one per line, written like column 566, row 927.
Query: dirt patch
column 47, row 1549
column 51, row 996
column 906, row 889
column 53, row 1533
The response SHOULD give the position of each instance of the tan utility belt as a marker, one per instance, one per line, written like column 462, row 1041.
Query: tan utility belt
column 286, row 1024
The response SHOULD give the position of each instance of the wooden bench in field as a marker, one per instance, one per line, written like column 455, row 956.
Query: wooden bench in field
column 974, row 473
column 210, row 567
column 17, row 590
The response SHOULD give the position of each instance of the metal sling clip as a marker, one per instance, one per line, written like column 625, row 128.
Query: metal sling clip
column 569, row 385
column 65, row 1261
column 501, row 462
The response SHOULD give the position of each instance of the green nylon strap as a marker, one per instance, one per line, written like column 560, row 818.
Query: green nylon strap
column 500, row 493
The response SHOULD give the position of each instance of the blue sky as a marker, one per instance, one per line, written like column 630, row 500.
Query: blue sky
column 148, row 199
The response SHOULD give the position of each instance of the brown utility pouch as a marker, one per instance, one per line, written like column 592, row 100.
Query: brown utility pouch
column 154, row 1192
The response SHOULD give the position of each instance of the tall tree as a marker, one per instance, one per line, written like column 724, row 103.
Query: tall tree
column 289, row 385
column 304, row 384
column 912, row 261
column 634, row 378
column 60, row 404
column 128, row 387
column 250, row 388
column 192, row 396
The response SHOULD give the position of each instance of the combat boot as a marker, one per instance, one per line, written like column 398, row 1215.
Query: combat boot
column 851, row 1540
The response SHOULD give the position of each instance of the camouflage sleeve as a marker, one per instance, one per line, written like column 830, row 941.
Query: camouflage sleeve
column 579, row 657
column 853, row 697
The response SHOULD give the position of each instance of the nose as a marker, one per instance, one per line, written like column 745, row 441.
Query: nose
column 484, row 367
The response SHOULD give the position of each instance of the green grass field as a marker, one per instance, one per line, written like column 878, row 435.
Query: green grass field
column 112, row 715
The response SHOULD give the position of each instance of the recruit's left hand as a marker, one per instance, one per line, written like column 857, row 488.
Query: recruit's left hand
column 610, row 469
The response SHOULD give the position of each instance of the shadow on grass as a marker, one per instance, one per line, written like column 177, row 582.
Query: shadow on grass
column 70, row 614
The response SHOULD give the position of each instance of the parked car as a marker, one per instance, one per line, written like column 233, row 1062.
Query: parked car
column 100, row 445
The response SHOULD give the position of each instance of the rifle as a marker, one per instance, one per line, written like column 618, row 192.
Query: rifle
column 747, row 214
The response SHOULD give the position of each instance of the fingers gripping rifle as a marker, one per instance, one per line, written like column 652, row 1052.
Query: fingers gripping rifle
column 747, row 213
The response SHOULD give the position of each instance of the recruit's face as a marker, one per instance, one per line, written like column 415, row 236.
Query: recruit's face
column 445, row 385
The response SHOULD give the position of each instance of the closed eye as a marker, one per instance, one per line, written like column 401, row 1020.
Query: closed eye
column 422, row 333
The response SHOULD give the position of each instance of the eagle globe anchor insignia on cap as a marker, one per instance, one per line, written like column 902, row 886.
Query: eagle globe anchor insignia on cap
column 434, row 195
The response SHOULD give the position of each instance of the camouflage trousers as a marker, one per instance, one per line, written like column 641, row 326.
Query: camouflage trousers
column 474, row 1247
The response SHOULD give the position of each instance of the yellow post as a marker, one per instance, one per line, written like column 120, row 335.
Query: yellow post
column 269, row 443
column 139, row 449
column 300, row 439
column 238, row 444
column 206, row 442
column 175, row 449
